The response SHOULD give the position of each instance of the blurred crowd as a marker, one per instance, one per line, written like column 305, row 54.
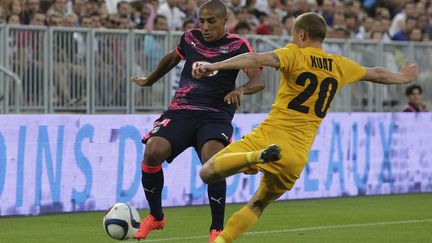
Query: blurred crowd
column 400, row 20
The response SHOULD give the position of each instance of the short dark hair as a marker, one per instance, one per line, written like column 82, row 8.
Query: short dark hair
column 188, row 21
column 33, row 15
column 410, row 89
column 285, row 18
column 313, row 24
column 158, row 17
column 242, row 25
column 216, row 6
column 84, row 17
column 410, row 18
column 408, row 2
column 121, row 2
column 10, row 16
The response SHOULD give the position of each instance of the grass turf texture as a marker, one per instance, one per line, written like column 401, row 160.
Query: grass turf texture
column 355, row 219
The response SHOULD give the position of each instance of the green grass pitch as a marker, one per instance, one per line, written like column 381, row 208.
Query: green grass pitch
column 397, row 218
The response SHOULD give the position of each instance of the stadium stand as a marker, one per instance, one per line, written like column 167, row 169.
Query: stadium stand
column 82, row 53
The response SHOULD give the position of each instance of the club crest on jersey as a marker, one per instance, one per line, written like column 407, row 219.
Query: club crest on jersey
column 224, row 49
column 199, row 63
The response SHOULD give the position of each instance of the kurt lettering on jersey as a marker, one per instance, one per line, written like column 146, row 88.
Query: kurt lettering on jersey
column 322, row 63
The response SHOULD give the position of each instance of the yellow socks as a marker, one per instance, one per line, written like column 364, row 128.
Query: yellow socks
column 231, row 163
column 237, row 225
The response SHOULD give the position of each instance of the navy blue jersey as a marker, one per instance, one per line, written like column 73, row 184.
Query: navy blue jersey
column 207, row 93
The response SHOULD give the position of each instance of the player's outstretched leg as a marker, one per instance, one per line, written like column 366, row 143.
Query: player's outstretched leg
column 157, row 150
column 247, row 216
column 216, row 191
column 217, row 194
column 223, row 165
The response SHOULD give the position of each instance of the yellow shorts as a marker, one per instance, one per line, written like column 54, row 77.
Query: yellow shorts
column 281, row 175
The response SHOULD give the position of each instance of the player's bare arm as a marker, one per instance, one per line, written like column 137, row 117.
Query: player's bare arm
column 165, row 65
column 254, row 85
column 248, row 60
column 408, row 73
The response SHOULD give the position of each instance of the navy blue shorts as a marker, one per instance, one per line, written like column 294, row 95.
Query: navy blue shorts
column 191, row 128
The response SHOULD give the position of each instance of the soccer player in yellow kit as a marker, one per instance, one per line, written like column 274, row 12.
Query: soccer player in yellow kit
column 309, row 80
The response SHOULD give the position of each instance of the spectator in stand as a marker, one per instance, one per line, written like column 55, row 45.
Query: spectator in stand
column 234, row 5
column 257, row 15
column 188, row 24
column 55, row 19
column 376, row 35
column 273, row 8
column 288, row 7
column 96, row 20
column 340, row 32
column 288, row 23
column 70, row 20
column 59, row 6
column 275, row 25
column 190, row 10
column 327, row 11
column 175, row 73
column 124, row 9
column 124, row 23
column 416, row 35
column 153, row 6
column 3, row 7
column 422, row 22
column 429, row 24
column 32, row 6
column 153, row 49
column 415, row 101
column 15, row 7
column 242, row 28
column 420, row 8
column 357, row 8
column 79, row 7
column 38, row 18
column 367, row 24
column 86, row 22
column 338, row 19
column 400, row 18
column 385, row 27
column 97, row 6
column 140, row 13
column 382, row 12
column 14, row 19
column 351, row 23
column 404, row 33
column 174, row 16
column 302, row 7
column 339, row 7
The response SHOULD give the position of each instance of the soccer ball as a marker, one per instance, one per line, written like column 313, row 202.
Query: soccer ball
column 122, row 221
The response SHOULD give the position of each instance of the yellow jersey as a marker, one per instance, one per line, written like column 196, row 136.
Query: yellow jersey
column 309, row 80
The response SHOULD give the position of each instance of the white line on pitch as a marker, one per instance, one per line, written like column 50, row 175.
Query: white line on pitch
column 415, row 221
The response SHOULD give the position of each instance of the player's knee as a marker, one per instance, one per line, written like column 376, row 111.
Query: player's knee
column 207, row 175
column 155, row 155
column 258, row 206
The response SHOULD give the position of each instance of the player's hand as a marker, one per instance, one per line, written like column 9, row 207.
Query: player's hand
column 202, row 71
column 410, row 71
column 234, row 97
column 142, row 81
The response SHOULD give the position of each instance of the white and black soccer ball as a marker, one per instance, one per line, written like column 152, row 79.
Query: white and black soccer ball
column 122, row 221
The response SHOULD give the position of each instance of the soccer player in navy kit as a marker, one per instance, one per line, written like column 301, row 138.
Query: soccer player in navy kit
column 200, row 114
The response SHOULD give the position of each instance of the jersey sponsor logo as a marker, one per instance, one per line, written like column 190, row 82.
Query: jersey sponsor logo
column 199, row 63
column 224, row 49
